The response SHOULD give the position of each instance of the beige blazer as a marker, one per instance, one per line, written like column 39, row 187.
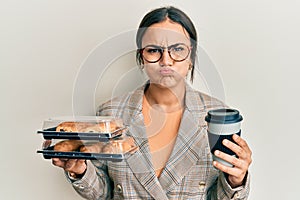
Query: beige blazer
column 188, row 174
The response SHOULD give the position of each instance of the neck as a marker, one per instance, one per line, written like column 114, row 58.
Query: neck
column 169, row 99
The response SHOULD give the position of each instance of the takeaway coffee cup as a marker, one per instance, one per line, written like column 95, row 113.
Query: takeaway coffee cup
column 222, row 124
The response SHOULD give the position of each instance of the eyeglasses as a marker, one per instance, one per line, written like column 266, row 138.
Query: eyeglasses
column 178, row 52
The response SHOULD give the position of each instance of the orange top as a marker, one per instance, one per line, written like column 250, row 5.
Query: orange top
column 162, row 129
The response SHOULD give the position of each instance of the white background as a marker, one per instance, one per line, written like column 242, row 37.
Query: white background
column 253, row 44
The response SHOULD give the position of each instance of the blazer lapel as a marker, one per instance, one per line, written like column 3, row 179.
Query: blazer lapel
column 189, row 143
column 140, row 162
column 186, row 152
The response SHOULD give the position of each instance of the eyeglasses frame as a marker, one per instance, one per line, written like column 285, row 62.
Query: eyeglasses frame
column 169, row 52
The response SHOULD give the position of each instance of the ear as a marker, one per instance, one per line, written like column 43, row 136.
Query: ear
column 190, row 65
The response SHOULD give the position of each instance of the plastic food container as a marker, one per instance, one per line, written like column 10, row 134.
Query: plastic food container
column 90, row 138
column 82, row 128
column 112, row 150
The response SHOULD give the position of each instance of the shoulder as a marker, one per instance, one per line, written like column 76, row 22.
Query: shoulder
column 210, row 100
column 116, row 105
column 112, row 105
column 201, row 101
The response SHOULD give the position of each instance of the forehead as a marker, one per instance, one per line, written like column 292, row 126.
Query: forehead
column 165, row 33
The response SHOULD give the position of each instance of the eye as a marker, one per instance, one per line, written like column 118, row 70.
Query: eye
column 153, row 50
column 178, row 48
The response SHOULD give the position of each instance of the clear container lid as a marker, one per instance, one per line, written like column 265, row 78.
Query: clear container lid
column 85, row 124
column 81, row 127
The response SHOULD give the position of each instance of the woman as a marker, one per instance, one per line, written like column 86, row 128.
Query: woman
column 166, row 120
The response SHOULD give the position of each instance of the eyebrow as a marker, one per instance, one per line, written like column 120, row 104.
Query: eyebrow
column 156, row 46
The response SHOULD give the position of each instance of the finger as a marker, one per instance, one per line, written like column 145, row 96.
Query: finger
column 233, row 171
column 70, row 164
column 235, row 175
column 236, row 162
column 55, row 159
column 242, row 143
column 58, row 162
column 81, row 161
column 79, row 167
column 234, row 147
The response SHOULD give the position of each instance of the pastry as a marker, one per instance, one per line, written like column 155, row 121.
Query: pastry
column 71, row 126
column 101, row 127
column 118, row 146
column 92, row 148
column 87, row 127
column 68, row 145
column 109, row 149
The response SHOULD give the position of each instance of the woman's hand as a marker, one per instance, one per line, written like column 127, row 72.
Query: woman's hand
column 241, row 163
column 76, row 167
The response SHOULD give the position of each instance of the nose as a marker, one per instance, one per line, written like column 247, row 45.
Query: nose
column 165, row 60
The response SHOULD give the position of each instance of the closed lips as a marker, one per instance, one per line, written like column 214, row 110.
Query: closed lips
column 166, row 71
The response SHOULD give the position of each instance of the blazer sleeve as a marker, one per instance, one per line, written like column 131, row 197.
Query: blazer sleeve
column 95, row 184
column 222, row 190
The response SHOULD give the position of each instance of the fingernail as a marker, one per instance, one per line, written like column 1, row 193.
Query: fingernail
column 235, row 136
column 225, row 141
column 217, row 152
